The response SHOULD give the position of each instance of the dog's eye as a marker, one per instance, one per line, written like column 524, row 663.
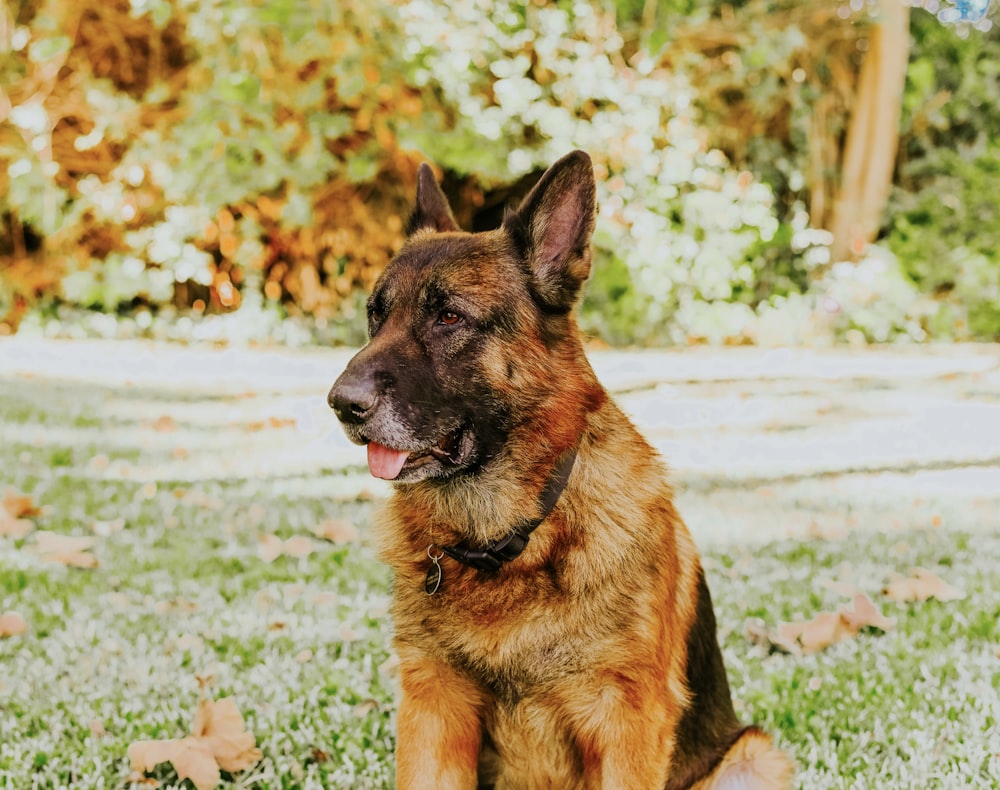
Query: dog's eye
column 448, row 318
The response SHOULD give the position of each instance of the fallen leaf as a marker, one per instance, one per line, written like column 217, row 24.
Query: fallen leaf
column 811, row 636
column 15, row 508
column 69, row 550
column 270, row 422
column 864, row 614
column 218, row 741
column 270, row 547
column 13, row 527
column 827, row 628
column 19, row 505
column 298, row 546
column 337, row 530
column 12, row 624
column 920, row 585
column 165, row 424
column 54, row 542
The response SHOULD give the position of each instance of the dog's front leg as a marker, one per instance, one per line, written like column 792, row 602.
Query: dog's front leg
column 440, row 726
column 625, row 733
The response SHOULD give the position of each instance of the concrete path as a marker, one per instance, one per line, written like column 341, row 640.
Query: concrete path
column 762, row 443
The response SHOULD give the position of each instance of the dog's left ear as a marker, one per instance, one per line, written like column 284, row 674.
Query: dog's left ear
column 553, row 226
column 432, row 210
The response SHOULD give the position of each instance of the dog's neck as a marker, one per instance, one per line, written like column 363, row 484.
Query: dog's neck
column 492, row 556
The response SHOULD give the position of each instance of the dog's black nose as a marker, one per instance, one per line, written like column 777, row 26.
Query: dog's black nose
column 353, row 399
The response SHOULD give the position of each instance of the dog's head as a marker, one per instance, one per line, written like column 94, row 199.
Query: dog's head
column 468, row 331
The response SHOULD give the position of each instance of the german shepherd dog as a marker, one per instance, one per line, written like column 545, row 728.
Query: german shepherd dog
column 552, row 620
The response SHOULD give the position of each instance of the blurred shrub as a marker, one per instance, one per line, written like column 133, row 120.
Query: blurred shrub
column 215, row 156
column 199, row 154
column 677, row 228
column 944, row 225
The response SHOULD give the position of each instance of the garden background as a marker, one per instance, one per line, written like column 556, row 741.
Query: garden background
column 769, row 172
column 195, row 196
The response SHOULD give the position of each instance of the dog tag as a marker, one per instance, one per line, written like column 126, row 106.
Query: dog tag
column 433, row 580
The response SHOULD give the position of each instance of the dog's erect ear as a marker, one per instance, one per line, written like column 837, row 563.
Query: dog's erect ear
column 553, row 226
column 432, row 210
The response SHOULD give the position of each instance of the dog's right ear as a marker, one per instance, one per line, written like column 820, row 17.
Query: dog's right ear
column 553, row 226
column 432, row 210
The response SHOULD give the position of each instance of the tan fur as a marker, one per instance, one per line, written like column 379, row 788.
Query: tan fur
column 752, row 763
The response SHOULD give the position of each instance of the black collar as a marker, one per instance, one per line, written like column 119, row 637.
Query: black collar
column 492, row 556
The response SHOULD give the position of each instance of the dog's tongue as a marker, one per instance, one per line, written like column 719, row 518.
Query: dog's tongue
column 384, row 462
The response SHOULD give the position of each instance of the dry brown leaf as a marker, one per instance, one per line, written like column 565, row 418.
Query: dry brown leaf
column 12, row 624
column 920, row 585
column 337, row 530
column 15, row 508
column 218, row 740
column 274, row 423
column 72, row 559
column 864, row 614
column 165, row 424
column 811, row 636
column 54, row 542
column 19, row 505
column 13, row 527
column 827, row 628
column 270, row 547
column 220, row 724
column 70, row 550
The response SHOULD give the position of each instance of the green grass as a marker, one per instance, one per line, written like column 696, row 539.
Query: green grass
column 181, row 599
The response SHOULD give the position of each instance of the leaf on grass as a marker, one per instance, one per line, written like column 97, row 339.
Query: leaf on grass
column 337, row 530
column 920, row 585
column 69, row 550
column 15, row 509
column 864, row 614
column 270, row 547
column 19, row 505
column 12, row 624
column 827, row 628
column 219, row 741
column 164, row 424
column 273, row 423
column 13, row 527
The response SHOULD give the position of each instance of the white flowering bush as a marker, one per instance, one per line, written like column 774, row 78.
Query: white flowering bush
column 678, row 229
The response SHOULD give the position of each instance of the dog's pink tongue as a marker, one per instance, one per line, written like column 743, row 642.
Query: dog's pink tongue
column 384, row 462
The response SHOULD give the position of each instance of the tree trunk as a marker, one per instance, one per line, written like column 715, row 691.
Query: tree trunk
column 873, row 134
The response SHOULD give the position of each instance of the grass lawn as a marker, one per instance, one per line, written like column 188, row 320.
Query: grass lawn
column 180, row 490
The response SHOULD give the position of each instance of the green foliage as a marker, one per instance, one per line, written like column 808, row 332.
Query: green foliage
column 219, row 154
column 944, row 224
